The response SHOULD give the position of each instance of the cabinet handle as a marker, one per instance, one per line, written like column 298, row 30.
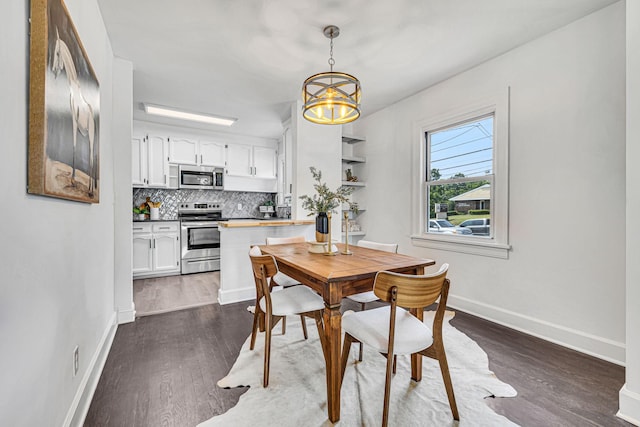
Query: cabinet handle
column 196, row 156
column 290, row 188
column 200, row 158
column 154, row 243
column 149, row 243
column 164, row 228
column 165, row 178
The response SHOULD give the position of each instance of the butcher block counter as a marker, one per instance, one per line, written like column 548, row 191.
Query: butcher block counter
column 277, row 222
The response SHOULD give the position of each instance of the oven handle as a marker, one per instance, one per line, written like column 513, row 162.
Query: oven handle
column 196, row 224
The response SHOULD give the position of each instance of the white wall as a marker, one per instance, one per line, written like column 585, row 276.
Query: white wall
column 123, row 193
column 564, row 279
column 630, row 393
column 57, row 269
column 319, row 146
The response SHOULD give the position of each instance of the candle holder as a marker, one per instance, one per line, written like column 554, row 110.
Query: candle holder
column 346, row 250
column 329, row 251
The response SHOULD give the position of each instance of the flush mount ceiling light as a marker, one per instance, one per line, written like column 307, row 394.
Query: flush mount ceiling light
column 331, row 98
column 158, row 110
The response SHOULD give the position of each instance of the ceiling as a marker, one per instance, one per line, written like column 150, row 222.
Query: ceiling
column 248, row 59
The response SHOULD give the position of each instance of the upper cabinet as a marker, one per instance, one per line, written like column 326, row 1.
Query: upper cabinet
column 251, row 168
column 149, row 161
column 196, row 152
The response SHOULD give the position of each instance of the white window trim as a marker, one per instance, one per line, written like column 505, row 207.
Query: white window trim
column 497, row 246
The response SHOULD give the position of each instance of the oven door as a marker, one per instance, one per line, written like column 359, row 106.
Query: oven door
column 200, row 240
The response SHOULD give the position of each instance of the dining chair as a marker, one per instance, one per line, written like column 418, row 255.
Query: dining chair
column 275, row 286
column 280, row 278
column 274, row 306
column 392, row 330
column 364, row 297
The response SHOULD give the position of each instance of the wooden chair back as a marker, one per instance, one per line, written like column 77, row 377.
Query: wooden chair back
column 283, row 240
column 412, row 291
column 387, row 247
column 264, row 267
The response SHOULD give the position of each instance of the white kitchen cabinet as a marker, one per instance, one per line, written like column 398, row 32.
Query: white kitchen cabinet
column 183, row 151
column 251, row 161
column 156, row 249
column 139, row 161
column 240, row 160
column 142, row 253
column 149, row 161
column 251, row 168
column 187, row 151
column 211, row 153
column 264, row 162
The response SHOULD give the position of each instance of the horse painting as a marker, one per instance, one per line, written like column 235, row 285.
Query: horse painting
column 82, row 113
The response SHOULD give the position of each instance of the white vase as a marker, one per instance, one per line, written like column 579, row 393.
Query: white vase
column 155, row 214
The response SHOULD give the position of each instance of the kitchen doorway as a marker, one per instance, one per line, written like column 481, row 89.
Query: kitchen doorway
column 172, row 293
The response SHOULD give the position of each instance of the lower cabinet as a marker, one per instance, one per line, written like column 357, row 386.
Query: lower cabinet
column 156, row 249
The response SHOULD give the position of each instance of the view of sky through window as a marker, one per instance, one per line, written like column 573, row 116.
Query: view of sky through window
column 463, row 150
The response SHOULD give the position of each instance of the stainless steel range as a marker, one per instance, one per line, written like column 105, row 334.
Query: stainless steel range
column 200, row 237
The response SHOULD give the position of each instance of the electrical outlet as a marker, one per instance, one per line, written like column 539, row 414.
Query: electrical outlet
column 76, row 360
column 239, row 206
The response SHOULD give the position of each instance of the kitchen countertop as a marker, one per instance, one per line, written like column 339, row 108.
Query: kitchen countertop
column 275, row 222
column 156, row 220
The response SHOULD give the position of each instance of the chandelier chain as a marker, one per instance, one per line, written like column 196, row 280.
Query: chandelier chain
column 331, row 60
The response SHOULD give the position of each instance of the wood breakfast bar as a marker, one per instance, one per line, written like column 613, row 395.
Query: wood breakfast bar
column 335, row 277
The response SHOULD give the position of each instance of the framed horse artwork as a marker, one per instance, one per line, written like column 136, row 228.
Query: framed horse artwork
column 64, row 109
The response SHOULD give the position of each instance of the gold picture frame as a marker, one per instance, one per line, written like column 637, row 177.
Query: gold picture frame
column 64, row 109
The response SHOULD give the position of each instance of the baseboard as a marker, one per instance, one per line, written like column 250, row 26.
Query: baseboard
column 82, row 400
column 127, row 316
column 602, row 348
column 629, row 406
column 236, row 295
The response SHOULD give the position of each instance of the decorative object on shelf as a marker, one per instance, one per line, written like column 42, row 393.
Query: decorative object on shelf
column 324, row 202
column 331, row 98
column 350, row 176
column 154, row 209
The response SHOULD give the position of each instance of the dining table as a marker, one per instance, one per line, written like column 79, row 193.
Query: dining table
column 335, row 277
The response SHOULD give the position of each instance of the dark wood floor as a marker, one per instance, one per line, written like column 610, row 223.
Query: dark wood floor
column 163, row 369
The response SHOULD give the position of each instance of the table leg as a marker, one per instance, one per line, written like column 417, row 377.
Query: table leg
column 332, row 333
column 416, row 358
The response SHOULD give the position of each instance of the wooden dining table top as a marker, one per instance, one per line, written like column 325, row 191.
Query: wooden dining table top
column 355, row 272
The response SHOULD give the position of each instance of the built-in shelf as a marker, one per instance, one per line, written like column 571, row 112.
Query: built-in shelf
column 353, row 159
column 352, row 139
column 354, row 184
column 355, row 233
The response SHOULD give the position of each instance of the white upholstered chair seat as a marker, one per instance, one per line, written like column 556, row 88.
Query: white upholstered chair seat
column 364, row 297
column 371, row 327
column 294, row 300
column 284, row 280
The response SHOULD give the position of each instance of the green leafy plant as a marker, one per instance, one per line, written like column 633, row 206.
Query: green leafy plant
column 326, row 200
column 139, row 210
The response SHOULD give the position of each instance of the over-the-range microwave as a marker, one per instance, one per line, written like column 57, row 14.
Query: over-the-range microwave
column 201, row 177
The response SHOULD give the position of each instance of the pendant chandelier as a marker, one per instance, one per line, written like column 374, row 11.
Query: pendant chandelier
column 331, row 98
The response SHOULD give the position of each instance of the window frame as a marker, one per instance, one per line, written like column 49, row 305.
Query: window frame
column 498, row 244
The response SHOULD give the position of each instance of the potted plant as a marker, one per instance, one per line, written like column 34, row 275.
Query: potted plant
column 325, row 201
column 141, row 211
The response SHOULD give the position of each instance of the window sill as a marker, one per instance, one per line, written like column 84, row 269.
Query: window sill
column 466, row 245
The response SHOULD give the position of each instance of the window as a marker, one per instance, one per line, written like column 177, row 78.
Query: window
column 463, row 179
column 459, row 174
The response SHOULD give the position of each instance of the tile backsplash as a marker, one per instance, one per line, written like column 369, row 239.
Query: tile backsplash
column 228, row 199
